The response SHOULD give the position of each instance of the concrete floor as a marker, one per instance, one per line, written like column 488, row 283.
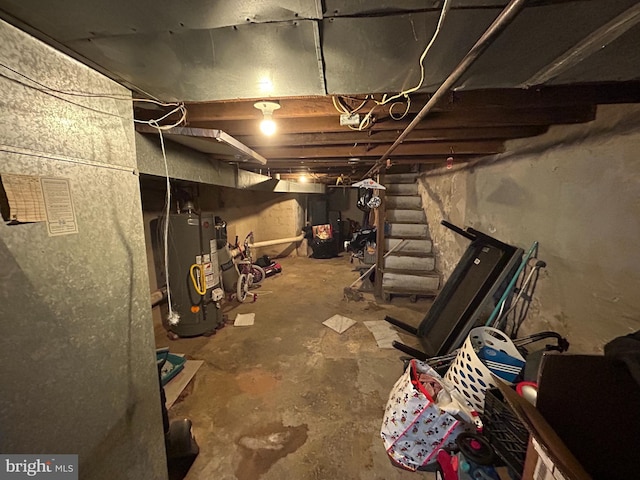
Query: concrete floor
column 288, row 397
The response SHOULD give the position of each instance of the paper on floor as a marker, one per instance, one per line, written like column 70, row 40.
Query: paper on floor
column 177, row 384
column 339, row 323
column 383, row 332
column 244, row 319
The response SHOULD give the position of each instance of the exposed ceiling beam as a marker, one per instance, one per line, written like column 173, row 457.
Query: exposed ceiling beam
column 407, row 149
column 472, row 123
column 313, row 163
column 497, row 117
column 353, row 137
column 547, row 96
column 244, row 110
column 540, row 97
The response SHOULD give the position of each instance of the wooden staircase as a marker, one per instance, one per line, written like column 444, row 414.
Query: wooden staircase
column 410, row 269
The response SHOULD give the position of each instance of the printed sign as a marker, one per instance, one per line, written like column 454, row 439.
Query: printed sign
column 61, row 216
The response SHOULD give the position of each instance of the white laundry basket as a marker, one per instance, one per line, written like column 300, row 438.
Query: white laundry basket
column 469, row 375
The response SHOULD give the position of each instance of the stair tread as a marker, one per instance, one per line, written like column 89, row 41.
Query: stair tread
column 400, row 253
column 408, row 237
column 410, row 291
column 404, row 222
column 403, row 209
column 416, row 209
column 414, row 273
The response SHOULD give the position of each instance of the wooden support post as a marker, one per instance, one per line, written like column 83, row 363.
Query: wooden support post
column 380, row 240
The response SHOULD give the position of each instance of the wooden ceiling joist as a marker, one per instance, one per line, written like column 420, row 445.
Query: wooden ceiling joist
column 537, row 97
column 375, row 150
column 469, row 124
column 351, row 137
column 498, row 117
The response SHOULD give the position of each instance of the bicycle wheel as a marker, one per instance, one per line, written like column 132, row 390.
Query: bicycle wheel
column 243, row 287
column 258, row 274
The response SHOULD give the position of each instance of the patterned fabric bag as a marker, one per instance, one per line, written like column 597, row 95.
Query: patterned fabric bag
column 415, row 427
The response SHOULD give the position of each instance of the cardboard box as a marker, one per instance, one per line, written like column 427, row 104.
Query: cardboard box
column 586, row 422
column 538, row 465
column 593, row 403
column 564, row 465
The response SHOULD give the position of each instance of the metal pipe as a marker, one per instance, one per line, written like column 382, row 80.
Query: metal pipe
column 499, row 24
column 279, row 241
column 158, row 296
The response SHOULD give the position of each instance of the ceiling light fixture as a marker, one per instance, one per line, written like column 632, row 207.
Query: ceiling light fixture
column 302, row 178
column 267, row 125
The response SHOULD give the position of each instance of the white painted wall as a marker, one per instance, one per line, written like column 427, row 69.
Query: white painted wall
column 576, row 190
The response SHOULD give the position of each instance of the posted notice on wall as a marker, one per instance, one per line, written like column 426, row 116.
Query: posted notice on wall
column 61, row 216
column 32, row 198
column 24, row 195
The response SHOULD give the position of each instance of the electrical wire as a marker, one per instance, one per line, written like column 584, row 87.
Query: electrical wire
column 113, row 96
column 79, row 94
column 53, row 92
column 368, row 120
column 63, row 99
column 154, row 123
column 443, row 13
column 406, row 110
column 173, row 317
column 342, row 108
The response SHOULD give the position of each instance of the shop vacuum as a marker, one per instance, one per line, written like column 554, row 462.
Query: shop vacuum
column 180, row 445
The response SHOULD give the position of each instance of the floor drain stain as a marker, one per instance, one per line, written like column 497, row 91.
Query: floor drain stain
column 262, row 448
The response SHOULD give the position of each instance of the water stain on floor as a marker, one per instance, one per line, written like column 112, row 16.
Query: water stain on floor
column 262, row 448
column 257, row 382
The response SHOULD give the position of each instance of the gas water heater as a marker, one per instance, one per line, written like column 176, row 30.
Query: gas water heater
column 194, row 272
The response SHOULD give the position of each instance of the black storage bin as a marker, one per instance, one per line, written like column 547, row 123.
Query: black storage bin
column 504, row 431
column 323, row 243
column 324, row 248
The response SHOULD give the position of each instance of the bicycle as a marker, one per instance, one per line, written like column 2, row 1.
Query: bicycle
column 250, row 273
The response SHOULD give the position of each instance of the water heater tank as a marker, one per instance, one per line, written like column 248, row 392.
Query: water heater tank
column 191, row 241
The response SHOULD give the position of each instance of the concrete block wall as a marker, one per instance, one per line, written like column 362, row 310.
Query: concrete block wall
column 269, row 215
column 576, row 190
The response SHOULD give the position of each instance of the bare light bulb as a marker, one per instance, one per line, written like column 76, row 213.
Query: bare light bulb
column 268, row 126
column 302, row 179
